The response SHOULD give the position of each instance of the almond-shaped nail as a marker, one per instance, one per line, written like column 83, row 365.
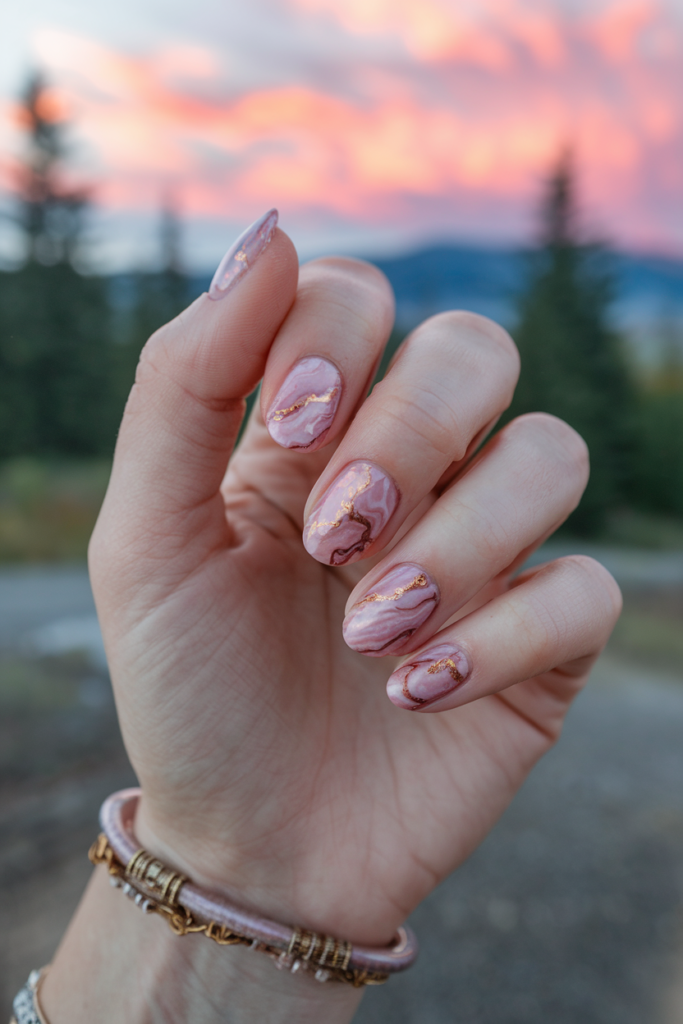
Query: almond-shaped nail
column 305, row 406
column 384, row 620
column 428, row 677
column 243, row 255
column 351, row 514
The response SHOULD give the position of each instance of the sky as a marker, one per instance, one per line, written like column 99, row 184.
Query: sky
column 373, row 125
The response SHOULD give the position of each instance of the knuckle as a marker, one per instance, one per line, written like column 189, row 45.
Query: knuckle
column 428, row 416
column 480, row 331
column 355, row 289
column 468, row 340
column 549, row 439
column 352, row 277
column 597, row 581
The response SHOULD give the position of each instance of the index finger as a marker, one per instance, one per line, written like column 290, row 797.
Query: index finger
column 185, row 409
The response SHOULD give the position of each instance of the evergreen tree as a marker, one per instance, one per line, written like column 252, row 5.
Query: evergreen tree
column 57, row 365
column 157, row 296
column 572, row 364
column 50, row 213
column 162, row 295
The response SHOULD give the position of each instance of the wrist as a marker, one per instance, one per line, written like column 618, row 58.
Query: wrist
column 159, row 887
column 292, row 891
column 119, row 966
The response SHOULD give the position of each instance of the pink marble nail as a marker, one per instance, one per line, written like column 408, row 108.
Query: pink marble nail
column 428, row 677
column 305, row 405
column 351, row 514
column 243, row 255
column 383, row 621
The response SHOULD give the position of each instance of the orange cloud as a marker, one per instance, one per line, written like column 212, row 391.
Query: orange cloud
column 484, row 97
column 618, row 30
column 430, row 29
column 293, row 145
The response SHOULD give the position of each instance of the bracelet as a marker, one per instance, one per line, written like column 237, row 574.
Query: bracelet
column 26, row 1006
column 156, row 888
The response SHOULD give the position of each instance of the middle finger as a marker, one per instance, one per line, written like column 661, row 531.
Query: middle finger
column 453, row 377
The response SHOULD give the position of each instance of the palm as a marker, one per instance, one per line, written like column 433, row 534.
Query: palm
column 262, row 733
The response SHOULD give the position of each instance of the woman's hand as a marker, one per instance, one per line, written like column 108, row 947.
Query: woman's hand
column 274, row 766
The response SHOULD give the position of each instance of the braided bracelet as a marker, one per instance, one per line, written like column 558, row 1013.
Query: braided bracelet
column 156, row 888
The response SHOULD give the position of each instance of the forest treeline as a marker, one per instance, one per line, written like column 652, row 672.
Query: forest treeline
column 69, row 340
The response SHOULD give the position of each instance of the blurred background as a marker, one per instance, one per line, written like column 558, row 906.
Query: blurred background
column 521, row 158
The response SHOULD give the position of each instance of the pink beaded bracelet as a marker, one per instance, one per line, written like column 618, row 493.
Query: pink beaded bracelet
column 159, row 889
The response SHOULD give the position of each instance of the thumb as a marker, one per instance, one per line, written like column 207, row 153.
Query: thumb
column 185, row 409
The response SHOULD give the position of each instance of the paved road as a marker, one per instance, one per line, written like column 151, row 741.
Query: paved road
column 51, row 608
column 629, row 566
column 34, row 596
column 570, row 912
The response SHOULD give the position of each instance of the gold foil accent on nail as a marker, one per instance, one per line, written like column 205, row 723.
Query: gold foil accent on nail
column 241, row 257
column 281, row 414
column 419, row 581
column 448, row 663
column 346, row 508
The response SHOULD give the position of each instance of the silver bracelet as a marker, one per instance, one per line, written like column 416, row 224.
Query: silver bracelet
column 27, row 1009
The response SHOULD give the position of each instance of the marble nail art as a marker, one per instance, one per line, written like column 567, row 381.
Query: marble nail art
column 384, row 620
column 351, row 514
column 428, row 677
column 305, row 406
column 243, row 255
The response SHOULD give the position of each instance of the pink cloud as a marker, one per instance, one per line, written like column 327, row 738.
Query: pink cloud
column 466, row 115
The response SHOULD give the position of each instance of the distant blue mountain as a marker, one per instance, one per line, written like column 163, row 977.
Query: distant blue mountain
column 488, row 280
column 648, row 289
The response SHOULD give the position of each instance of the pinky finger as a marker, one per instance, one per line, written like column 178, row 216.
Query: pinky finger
column 558, row 616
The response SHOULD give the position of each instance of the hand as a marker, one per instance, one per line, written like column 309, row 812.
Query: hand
column 273, row 765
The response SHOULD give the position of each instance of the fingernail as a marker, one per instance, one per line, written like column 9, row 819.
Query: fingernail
column 305, row 405
column 243, row 255
column 383, row 621
column 351, row 514
column 428, row 677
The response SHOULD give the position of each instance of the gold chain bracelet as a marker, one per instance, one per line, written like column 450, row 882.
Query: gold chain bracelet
column 154, row 888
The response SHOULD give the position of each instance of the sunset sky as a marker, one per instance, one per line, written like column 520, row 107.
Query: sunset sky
column 374, row 125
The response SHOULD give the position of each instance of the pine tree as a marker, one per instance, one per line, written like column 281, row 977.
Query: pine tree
column 56, row 361
column 157, row 296
column 572, row 364
column 50, row 212
column 164, row 294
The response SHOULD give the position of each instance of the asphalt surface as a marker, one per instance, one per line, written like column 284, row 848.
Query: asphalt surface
column 51, row 609
column 571, row 912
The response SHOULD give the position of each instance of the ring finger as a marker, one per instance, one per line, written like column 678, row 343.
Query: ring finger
column 521, row 486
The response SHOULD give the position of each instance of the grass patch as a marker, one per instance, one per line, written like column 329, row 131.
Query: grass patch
column 32, row 685
column 649, row 630
column 630, row 528
column 48, row 508
column 649, row 640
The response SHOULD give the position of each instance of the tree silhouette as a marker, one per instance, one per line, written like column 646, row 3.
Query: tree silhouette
column 57, row 365
column 50, row 213
column 572, row 364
